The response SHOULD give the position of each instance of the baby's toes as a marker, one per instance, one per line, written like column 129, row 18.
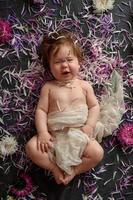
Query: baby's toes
column 60, row 180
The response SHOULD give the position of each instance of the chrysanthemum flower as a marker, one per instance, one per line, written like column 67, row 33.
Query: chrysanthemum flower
column 24, row 189
column 103, row 5
column 5, row 31
column 125, row 134
column 8, row 146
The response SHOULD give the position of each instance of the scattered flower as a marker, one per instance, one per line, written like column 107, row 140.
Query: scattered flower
column 95, row 49
column 125, row 134
column 8, row 145
column 107, row 25
column 22, row 190
column 103, row 5
column 5, row 31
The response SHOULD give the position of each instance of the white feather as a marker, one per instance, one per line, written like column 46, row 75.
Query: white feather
column 111, row 108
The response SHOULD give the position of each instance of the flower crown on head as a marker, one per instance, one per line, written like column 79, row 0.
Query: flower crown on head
column 55, row 35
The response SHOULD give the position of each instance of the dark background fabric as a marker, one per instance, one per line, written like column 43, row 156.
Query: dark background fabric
column 114, row 156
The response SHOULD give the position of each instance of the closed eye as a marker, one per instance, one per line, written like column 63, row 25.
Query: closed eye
column 57, row 62
column 70, row 60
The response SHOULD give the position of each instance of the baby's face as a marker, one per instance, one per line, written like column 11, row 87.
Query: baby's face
column 64, row 65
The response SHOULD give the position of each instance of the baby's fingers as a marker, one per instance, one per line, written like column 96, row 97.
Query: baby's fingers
column 46, row 146
column 50, row 144
column 42, row 147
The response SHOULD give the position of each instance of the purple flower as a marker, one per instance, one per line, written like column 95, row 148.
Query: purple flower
column 22, row 192
column 125, row 134
column 106, row 25
column 5, row 31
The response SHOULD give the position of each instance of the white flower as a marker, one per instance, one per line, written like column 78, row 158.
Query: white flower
column 8, row 145
column 102, row 5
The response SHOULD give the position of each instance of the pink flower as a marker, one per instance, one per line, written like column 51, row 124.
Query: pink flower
column 5, row 31
column 26, row 189
column 125, row 134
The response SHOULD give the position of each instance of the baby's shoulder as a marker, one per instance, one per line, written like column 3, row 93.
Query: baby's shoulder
column 47, row 86
column 85, row 84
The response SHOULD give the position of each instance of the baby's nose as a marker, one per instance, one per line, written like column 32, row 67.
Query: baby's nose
column 64, row 63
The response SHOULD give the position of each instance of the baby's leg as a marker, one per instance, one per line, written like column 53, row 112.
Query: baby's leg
column 42, row 159
column 69, row 177
column 92, row 155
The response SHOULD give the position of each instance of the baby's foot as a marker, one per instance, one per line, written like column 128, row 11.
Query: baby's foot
column 58, row 175
column 69, row 177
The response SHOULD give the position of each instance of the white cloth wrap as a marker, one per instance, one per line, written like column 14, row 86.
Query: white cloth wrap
column 70, row 141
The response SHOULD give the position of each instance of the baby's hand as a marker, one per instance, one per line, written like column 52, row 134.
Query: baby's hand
column 88, row 129
column 44, row 142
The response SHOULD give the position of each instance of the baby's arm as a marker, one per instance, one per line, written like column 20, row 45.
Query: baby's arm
column 93, row 106
column 44, row 139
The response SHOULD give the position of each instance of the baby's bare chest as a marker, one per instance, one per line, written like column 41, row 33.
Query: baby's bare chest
column 66, row 96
